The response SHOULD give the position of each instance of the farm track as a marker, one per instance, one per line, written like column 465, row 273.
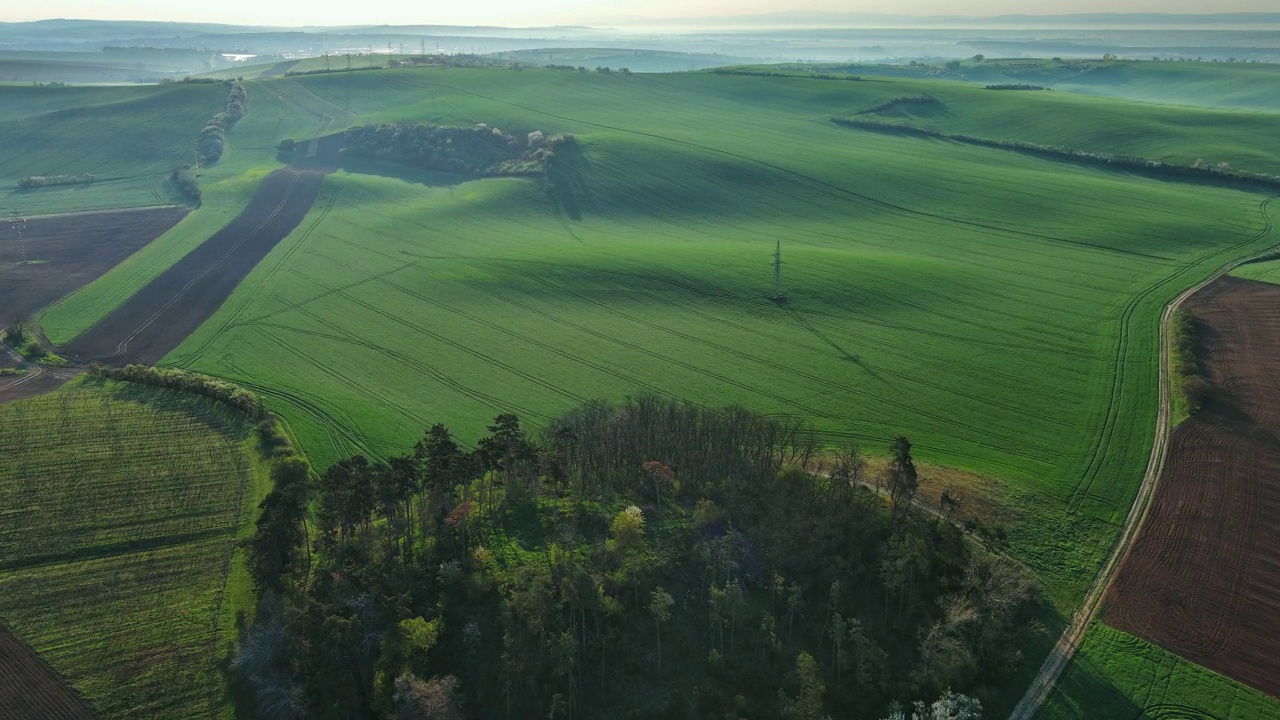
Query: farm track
column 1201, row 580
column 30, row 689
column 1063, row 651
column 178, row 301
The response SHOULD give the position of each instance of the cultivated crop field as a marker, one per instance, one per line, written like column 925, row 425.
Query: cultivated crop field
column 42, row 259
column 157, row 318
column 1203, row 580
column 121, row 508
column 1116, row 676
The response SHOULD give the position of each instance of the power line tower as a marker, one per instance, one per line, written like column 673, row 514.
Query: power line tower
column 19, row 225
column 778, row 296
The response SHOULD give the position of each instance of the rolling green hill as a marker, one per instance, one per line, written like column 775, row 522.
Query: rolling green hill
column 1001, row 310
column 918, row 272
column 1240, row 86
column 128, row 138
column 1214, row 85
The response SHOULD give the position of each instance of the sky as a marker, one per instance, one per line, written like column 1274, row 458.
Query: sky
column 546, row 12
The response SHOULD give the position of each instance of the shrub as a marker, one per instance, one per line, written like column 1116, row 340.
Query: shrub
column 184, row 184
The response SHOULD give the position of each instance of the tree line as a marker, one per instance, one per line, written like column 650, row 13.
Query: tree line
column 213, row 138
column 1201, row 168
column 38, row 181
column 221, row 391
column 648, row 559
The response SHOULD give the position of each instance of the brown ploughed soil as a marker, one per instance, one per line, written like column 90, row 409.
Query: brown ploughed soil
column 66, row 252
column 30, row 689
column 1203, row 578
column 161, row 315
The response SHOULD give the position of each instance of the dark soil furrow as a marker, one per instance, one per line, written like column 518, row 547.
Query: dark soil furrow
column 163, row 313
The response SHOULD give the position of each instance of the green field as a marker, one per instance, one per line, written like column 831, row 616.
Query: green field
column 1266, row 271
column 1001, row 310
column 1116, row 676
column 122, row 507
column 662, row 286
column 1218, row 85
column 129, row 138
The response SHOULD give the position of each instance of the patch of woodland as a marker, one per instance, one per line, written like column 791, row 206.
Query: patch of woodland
column 1015, row 86
column 1200, row 169
column 648, row 559
column 481, row 151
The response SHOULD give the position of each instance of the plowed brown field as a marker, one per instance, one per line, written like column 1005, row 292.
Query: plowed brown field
column 1203, row 577
column 42, row 259
column 156, row 319
column 30, row 689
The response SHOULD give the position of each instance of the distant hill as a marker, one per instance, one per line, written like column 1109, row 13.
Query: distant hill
column 804, row 18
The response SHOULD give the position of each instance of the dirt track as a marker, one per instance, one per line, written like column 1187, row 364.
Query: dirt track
column 30, row 689
column 63, row 253
column 1203, row 578
column 156, row 319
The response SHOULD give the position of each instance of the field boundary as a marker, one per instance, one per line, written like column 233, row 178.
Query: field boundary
column 1064, row 650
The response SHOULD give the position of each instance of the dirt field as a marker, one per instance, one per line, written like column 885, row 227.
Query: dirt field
column 66, row 252
column 1203, row 578
column 155, row 320
column 30, row 689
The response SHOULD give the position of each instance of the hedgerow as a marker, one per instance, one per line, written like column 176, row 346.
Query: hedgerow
column 217, row 390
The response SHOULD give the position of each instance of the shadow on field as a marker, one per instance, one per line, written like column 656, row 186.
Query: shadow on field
column 836, row 346
column 1085, row 692
column 385, row 168
column 1035, row 649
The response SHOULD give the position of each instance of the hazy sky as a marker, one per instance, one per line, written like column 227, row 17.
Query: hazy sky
column 526, row 12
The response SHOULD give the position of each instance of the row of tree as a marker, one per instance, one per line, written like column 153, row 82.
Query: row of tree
column 229, row 394
column 38, row 181
column 213, row 138
column 649, row 559
column 1200, row 169
column 1189, row 356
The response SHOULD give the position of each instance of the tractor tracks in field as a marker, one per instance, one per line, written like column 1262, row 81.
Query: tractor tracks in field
column 1064, row 650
